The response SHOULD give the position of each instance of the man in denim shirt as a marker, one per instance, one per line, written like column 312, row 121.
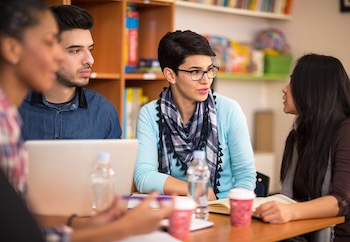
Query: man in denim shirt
column 67, row 110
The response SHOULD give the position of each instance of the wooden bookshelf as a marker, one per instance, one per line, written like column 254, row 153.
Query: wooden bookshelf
column 156, row 18
column 229, row 10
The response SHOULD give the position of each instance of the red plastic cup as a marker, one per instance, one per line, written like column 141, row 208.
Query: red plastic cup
column 180, row 218
column 241, row 201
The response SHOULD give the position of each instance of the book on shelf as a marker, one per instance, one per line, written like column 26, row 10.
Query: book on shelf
column 288, row 7
column 223, row 205
column 271, row 6
column 149, row 65
column 134, row 99
column 231, row 3
column 131, row 39
column 221, row 47
column 243, row 58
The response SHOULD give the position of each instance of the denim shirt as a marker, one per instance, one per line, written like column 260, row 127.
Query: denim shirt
column 87, row 116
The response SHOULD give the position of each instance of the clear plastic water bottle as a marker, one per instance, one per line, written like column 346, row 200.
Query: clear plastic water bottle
column 103, row 181
column 198, row 178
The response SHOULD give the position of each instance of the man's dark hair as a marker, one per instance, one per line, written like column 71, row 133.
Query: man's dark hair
column 71, row 17
column 176, row 46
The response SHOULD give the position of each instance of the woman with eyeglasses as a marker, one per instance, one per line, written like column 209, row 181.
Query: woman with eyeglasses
column 189, row 116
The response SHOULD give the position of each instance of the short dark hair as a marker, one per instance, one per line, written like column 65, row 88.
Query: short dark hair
column 18, row 15
column 176, row 46
column 71, row 17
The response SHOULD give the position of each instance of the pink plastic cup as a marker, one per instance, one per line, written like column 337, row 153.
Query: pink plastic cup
column 180, row 218
column 241, row 201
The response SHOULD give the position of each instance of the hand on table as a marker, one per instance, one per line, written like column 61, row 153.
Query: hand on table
column 143, row 219
column 113, row 212
column 274, row 212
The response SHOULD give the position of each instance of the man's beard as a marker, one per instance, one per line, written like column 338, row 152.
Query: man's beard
column 66, row 82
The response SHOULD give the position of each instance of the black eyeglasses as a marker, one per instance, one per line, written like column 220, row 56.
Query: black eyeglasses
column 197, row 75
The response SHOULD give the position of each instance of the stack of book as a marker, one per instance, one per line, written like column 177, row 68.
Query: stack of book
column 235, row 57
column 134, row 99
column 271, row 6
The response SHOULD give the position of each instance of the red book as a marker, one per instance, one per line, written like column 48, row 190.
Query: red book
column 132, row 24
column 288, row 8
column 133, row 47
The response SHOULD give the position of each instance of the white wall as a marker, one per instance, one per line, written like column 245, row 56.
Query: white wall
column 319, row 27
column 316, row 26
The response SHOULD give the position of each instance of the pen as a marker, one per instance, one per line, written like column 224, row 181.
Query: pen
column 142, row 196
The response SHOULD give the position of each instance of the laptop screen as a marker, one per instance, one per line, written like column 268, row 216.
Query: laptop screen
column 59, row 172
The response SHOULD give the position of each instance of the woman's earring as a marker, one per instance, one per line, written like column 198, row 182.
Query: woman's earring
column 173, row 83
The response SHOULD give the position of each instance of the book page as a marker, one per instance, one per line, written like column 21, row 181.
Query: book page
column 219, row 206
column 220, row 202
column 196, row 224
column 223, row 205
column 151, row 237
column 277, row 197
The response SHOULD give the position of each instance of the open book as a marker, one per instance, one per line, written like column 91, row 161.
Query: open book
column 223, row 205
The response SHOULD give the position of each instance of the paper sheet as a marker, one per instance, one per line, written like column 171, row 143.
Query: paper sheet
column 151, row 237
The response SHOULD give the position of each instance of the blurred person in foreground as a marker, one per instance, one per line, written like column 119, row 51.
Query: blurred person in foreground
column 30, row 56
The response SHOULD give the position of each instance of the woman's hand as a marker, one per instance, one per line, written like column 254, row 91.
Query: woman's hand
column 143, row 218
column 274, row 212
column 116, row 223
column 113, row 212
column 211, row 195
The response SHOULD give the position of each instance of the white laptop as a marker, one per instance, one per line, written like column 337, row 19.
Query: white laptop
column 59, row 172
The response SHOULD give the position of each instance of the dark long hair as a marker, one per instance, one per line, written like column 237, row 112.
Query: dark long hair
column 321, row 92
column 18, row 15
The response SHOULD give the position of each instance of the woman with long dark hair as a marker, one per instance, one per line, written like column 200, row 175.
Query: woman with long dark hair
column 316, row 162
column 29, row 59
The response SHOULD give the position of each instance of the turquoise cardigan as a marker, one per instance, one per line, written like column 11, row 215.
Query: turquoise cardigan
column 237, row 161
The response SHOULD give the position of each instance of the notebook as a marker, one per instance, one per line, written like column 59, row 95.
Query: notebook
column 59, row 172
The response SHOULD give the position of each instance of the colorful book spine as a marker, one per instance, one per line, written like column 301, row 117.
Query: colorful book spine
column 127, row 113
column 132, row 25
column 270, row 6
column 134, row 99
column 288, row 7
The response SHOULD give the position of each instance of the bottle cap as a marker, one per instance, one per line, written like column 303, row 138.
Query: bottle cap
column 104, row 157
column 199, row 154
